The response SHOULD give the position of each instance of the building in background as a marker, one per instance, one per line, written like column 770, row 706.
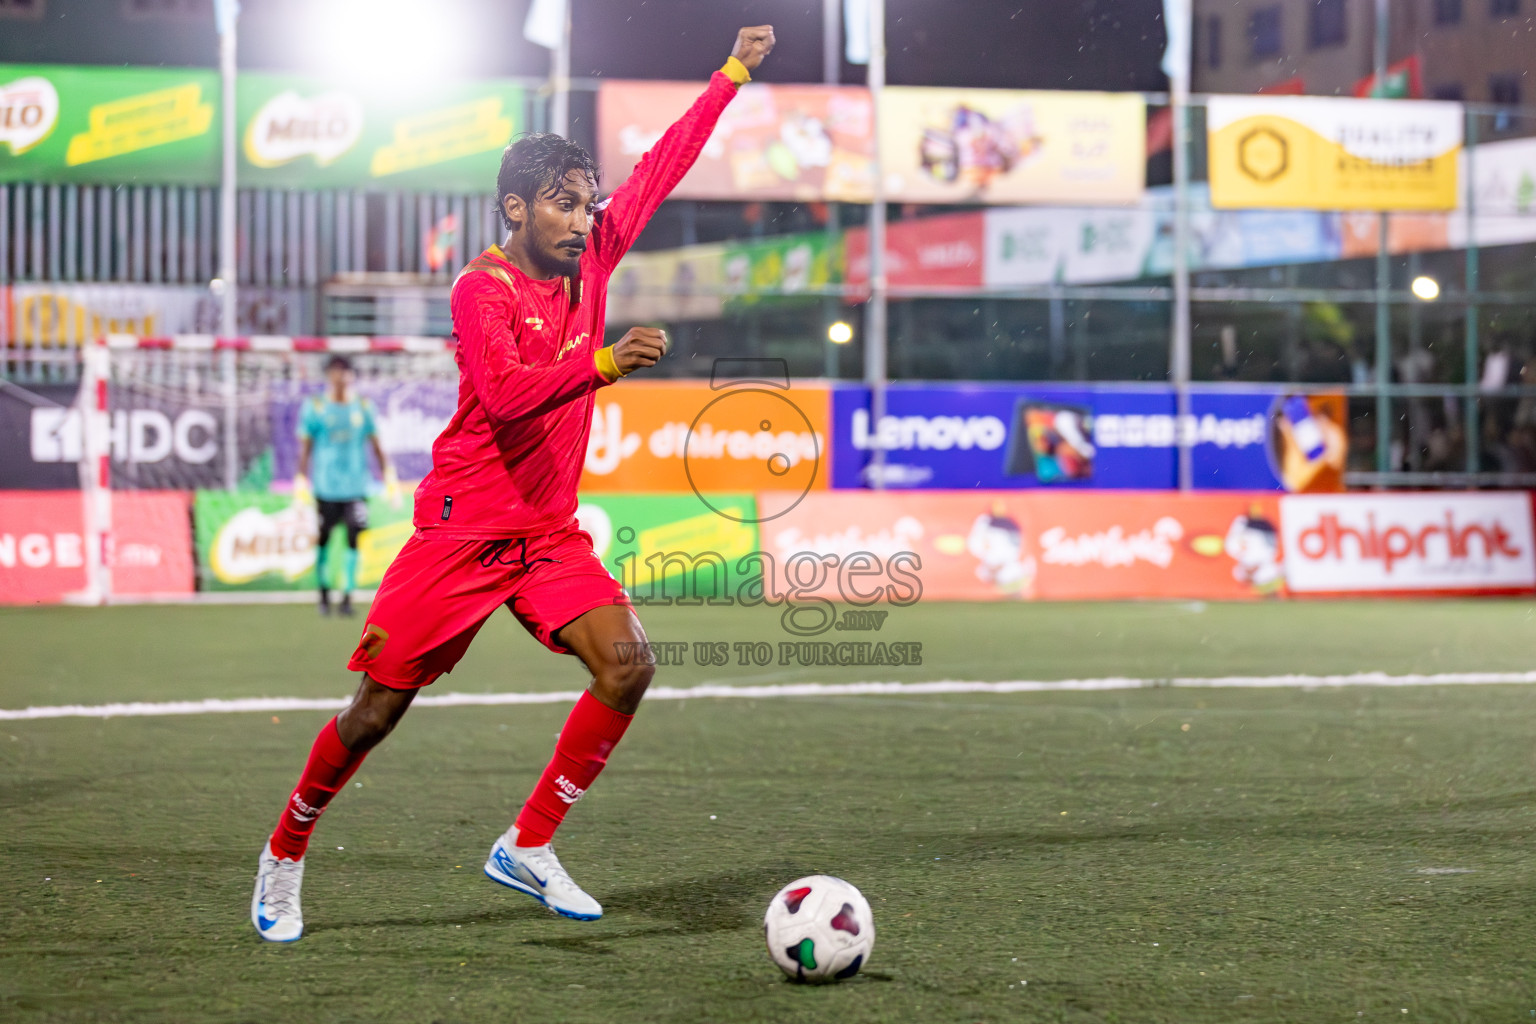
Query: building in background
column 1479, row 51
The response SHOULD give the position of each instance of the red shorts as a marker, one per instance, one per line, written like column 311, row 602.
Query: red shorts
column 437, row 594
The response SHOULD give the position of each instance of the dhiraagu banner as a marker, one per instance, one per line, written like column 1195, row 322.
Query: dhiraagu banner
column 257, row 541
column 307, row 133
column 1326, row 153
column 66, row 123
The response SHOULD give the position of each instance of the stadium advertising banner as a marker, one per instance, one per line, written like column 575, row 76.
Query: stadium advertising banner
column 157, row 437
column 54, row 313
column 668, row 285
column 1010, row 146
column 1433, row 541
column 309, row 133
column 251, row 540
column 994, row 546
column 661, row 545
column 927, row 252
column 1316, row 152
column 786, row 267
column 68, row 123
column 42, row 545
column 1007, row 436
column 788, row 142
column 680, row 436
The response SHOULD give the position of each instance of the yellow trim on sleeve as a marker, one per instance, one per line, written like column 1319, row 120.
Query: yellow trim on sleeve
column 736, row 71
column 606, row 365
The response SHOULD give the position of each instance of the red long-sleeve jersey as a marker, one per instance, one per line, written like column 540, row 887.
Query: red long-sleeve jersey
column 508, row 463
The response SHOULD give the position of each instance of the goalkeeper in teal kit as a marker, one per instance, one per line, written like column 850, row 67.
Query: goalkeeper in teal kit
column 335, row 429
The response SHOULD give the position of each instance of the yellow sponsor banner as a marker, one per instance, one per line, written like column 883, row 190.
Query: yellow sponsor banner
column 1326, row 153
column 141, row 122
column 442, row 135
column 1012, row 146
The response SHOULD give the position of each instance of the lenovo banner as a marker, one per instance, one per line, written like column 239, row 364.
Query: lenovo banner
column 1007, row 436
column 42, row 545
column 1434, row 541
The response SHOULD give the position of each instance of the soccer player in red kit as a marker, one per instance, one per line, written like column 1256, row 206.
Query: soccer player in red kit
column 495, row 519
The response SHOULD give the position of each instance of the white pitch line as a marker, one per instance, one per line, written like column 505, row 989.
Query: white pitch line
column 715, row 691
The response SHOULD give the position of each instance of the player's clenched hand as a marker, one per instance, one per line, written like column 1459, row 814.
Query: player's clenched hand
column 641, row 346
column 753, row 44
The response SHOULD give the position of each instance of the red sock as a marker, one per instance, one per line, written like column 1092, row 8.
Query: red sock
column 330, row 765
column 592, row 731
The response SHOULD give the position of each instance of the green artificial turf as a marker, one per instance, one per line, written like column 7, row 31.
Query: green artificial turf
column 1289, row 856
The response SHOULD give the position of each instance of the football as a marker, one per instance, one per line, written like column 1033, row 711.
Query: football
column 819, row 929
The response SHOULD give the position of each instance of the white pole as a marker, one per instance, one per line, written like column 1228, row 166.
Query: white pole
column 560, row 80
column 1178, row 22
column 227, row 323
column 831, row 40
column 96, row 471
column 229, row 13
column 875, row 312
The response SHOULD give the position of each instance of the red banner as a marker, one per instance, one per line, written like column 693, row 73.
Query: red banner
column 927, row 252
column 42, row 545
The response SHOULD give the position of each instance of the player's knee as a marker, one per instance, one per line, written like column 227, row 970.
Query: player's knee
column 625, row 684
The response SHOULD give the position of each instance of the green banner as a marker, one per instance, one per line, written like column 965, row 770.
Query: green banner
column 68, row 123
column 250, row 540
column 304, row 133
column 666, row 546
column 156, row 126
column 789, row 266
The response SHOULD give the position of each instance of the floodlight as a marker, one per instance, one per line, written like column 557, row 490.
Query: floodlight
column 840, row 333
column 1426, row 288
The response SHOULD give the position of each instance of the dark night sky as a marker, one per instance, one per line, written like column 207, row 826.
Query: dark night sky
column 1060, row 44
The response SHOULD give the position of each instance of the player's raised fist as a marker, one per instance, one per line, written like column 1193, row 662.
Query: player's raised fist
column 640, row 346
column 753, row 44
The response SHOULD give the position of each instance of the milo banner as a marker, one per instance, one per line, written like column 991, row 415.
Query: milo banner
column 65, row 123
column 307, row 133
column 251, row 540
column 1012, row 146
column 1324, row 153
column 157, row 126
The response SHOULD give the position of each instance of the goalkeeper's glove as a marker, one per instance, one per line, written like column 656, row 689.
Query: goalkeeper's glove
column 391, row 486
column 302, row 494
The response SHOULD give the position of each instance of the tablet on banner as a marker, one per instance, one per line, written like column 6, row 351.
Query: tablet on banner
column 42, row 545
column 990, row 546
column 1365, row 543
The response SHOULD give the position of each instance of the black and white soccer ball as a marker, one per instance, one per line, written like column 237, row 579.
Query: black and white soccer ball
column 819, row 929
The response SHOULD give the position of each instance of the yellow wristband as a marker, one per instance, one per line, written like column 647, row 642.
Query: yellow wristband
column 736, row 71
column 606, row 366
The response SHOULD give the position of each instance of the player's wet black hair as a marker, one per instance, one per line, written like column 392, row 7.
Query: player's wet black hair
column 534, row 164
column 339, row 362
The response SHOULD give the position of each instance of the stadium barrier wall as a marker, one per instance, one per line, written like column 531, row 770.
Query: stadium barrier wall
column 844, row 546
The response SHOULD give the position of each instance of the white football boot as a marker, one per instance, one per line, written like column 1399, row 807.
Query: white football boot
column 275, row 907
column 536, row 871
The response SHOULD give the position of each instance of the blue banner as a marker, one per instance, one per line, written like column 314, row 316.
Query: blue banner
column 1010, row 436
